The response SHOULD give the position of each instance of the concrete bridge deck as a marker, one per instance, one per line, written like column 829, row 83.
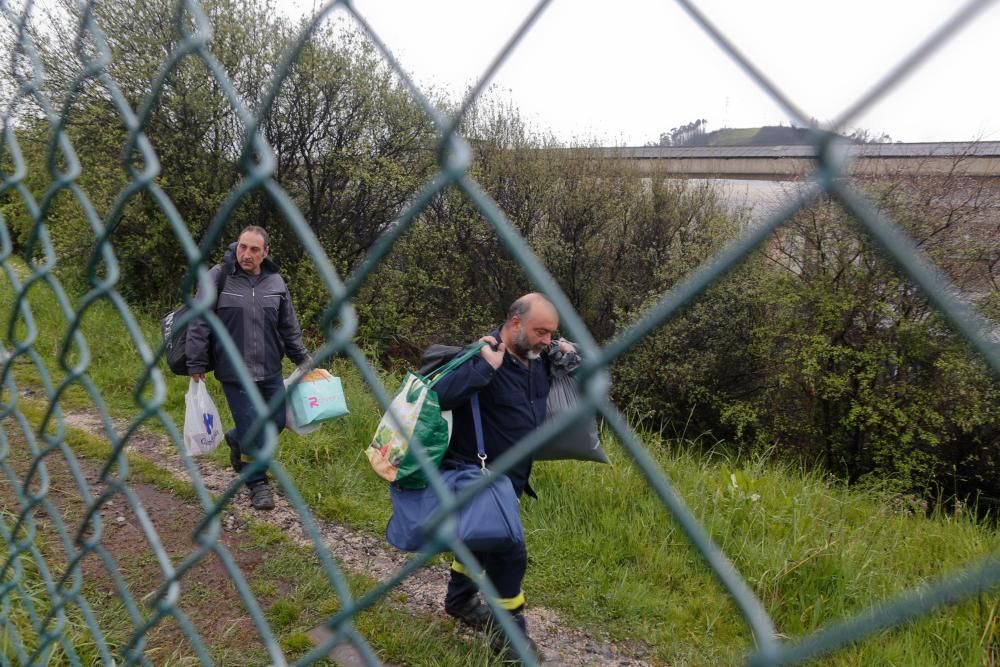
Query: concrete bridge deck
column 791, row 162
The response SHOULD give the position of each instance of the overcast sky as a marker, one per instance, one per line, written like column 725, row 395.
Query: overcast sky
column 625, row 71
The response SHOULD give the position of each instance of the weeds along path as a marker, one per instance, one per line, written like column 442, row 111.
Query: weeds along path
column 362, row 553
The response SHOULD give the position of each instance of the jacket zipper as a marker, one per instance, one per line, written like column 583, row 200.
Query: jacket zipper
column 253, row 311
column 531, row 392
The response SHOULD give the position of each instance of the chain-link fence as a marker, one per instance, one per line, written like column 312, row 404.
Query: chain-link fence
column 60, row 600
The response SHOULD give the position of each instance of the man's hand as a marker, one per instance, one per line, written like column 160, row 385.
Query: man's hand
column 565, row 346
column 494, row 357
column 198, row 377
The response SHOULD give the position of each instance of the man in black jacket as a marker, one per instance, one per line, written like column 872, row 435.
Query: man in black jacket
column 256, row 309
column 510, row 376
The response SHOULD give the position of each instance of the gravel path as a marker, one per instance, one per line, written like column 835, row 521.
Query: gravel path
column 360, row 552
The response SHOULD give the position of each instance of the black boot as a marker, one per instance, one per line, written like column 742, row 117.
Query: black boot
column 504, row 647
column 473, row 612
column 261, row 497
column 462, row 601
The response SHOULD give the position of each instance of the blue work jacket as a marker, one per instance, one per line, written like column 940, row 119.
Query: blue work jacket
column 512, row 402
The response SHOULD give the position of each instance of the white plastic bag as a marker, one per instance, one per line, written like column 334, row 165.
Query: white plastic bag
column 202, row 425
column 290, row 421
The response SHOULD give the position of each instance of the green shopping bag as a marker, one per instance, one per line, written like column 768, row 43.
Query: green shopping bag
column 418, row 419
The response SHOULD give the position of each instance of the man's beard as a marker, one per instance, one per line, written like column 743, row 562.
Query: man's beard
column 521, row 347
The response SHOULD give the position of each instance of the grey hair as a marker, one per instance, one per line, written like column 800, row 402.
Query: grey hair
column 258, row 230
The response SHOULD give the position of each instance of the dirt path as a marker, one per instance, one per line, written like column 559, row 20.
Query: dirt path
column 363, row 553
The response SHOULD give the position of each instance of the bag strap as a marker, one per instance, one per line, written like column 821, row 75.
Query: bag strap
column 455, row 363
column 220, row 282
column 478, row 423
column 476, row 417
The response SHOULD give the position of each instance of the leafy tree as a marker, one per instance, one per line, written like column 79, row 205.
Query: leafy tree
column 684, row 135
column 870, row 381
column 814, row 348
column 350, row 147
column 817, row 349
column 864, row 136
column 685, row 376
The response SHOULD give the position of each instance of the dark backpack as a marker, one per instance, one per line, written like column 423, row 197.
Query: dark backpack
column 175, row 337
column 437, row 356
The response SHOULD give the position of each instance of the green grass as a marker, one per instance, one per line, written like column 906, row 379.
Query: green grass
column 739, row 136
column 604, row 552
column 290, row 585
column 297, row 597
column 26, row 602
column 814, row 553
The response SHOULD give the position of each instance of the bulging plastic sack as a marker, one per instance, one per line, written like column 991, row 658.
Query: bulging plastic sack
column 202, row 424
column 580, row 442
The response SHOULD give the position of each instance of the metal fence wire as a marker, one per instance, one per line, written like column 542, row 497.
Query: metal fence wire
column 44, row 435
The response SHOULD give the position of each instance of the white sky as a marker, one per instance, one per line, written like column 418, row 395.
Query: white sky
column 625, row 71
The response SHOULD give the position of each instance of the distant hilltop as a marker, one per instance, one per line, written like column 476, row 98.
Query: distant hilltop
column 694, row 134
column 770, row 135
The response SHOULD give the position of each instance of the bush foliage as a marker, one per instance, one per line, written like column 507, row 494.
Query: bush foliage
column 814, row 348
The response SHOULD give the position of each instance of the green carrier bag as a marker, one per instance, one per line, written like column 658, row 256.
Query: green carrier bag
column 418, row 419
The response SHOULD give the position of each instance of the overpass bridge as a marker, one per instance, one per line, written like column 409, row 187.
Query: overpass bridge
column 781, row 163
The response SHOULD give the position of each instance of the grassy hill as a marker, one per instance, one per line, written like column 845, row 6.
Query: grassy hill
column 771, row 135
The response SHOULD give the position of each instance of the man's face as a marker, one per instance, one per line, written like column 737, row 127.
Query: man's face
column 534, row 331
column 250, row 252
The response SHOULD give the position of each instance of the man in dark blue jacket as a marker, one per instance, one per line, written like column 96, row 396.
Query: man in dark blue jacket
column 256, row 309
column 511, row 377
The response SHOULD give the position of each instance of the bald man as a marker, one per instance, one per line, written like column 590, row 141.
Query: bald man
column 510, row 375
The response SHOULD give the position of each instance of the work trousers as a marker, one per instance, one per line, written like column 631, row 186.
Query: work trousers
column 505, row 570
column 244, row 415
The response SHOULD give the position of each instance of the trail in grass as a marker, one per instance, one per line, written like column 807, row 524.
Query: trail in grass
column 362, row 553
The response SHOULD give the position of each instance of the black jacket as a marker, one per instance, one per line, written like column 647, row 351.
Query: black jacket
column 258, row 314
column 512, row 402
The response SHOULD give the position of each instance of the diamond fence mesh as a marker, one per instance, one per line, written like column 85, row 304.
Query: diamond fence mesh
column 43, row 586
